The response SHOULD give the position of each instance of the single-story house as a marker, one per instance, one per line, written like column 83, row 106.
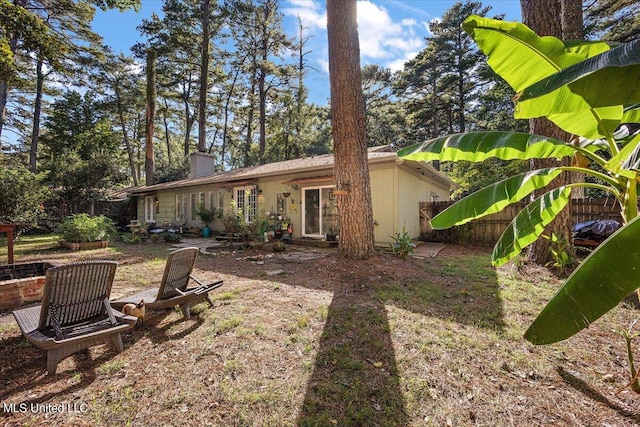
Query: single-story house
column 299, row 191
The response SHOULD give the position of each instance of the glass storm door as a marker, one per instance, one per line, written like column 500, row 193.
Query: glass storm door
column 319, row 205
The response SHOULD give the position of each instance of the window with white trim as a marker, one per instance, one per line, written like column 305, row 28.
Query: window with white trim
column 221, row 200
column 212, row 202
column 185, row 208
column 149, row 209
column 193, row 206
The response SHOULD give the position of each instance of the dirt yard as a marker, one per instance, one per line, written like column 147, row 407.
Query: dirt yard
column 308, row 338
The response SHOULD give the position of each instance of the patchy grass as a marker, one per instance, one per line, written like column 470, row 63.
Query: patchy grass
column 383, row 342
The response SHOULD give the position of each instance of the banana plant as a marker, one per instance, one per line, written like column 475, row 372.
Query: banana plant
column 557, row 80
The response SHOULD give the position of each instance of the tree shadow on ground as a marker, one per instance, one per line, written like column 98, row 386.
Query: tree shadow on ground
column 355, row 379
column 595, row 395
column 19, row 355
column 159, row 330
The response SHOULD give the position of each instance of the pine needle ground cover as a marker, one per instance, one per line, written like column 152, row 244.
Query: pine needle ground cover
column 316, row 340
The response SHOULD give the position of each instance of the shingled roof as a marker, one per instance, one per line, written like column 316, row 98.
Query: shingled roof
column 252, row 173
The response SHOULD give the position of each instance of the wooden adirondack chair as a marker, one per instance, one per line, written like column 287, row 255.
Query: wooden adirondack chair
column 173, row 290
column 75, row 313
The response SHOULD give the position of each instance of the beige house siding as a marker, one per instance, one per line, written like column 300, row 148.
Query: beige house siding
column 384, row 182
column 397, row 188
column 415, row 188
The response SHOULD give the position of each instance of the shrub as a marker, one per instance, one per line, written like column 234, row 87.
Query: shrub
column 80, row 228
column 171, row 237
column 402, row 244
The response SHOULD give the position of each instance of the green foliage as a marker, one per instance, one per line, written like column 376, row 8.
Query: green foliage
column 561, row 258
column 570, row 84
column 206, row 215
column 121, row 5
column 615, row 20
column 131, row 238
column 440, row 85
column 171, row 237
column 82, row 153
column 80, row 228
column 402, row 244
column 166, row 172
column 32, row 31
column 22, row 193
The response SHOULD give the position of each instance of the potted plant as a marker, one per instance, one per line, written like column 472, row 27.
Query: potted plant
column 206, row 216
column 332, row 232
column 81, row 231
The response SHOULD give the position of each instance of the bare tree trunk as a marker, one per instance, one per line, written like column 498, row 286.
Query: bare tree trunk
column 544, row 17
column 349, row 131
column 572, row 21
column 125, row 136
column 300, row 101
column 204, row 74
column 249, row 136
column 227, row 104
column 189, row 119
column 4, row 96
column 167, row 130
column 149, row 164
column 37, row 112
column 262, row 80
column 4, row 85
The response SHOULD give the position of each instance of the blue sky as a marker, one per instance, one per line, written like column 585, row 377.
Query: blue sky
column 391, row 31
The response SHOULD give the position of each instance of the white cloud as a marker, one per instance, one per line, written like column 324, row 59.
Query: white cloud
column 312, row 13
column 386, row 39
column 382, row 38
column 324, row 64
column 398, row 64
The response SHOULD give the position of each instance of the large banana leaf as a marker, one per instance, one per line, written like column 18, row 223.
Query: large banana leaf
column 493, row 198
column 626, row 162
column 603, row 279
column 529, row 224
column 522, row 58
column 592, row 78
column 631, row 114
column 479, row 146
column 597, row 123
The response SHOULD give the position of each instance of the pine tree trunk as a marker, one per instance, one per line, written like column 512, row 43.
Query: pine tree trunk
column 4, row 85
column 204, row 73
column 544, row 17
column 125, row 136
column 349, row 131
column 262, row 81
column 149, row 164
column 4, row 96
column 37, row 112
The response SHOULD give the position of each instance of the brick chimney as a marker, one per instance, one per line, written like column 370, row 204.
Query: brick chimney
column 202, row 164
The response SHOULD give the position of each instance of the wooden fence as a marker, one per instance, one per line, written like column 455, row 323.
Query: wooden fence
column 487, row 230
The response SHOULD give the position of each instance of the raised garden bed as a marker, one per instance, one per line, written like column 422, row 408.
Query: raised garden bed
column 85, row 245
column 21, row 283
